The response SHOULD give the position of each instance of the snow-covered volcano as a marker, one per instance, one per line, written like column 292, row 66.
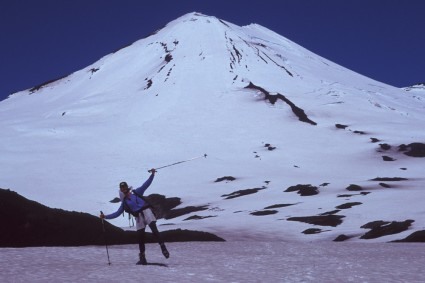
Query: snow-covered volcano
column 268, row 113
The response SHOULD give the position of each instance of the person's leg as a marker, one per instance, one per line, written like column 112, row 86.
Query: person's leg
column 156, row 233
column 141, row 240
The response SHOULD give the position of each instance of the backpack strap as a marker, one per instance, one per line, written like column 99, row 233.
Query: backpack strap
column 136, row 213
column 148, row 204
column 128, row 209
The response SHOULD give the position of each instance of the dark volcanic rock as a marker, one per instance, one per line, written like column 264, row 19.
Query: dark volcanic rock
column 348, row 205
column 351, row 195
column 345, row 196
column 374, row 224
column 418, row 236
column 273, row 98
column 163, row 205
column 279, row 205
column 303, row 190
column 184, row 210
column 197, row 217
column 415, row 149
column 385, row 146
column 27, row 223
column 341, row 238
column 242, row 193
column 225, row 178
column 389, row 179
column 340, row 126
column 387, row 229
column 353, row 187
column 263, row 212
column 115, row 200
column 387, row 158
column 330, row 212
column 322, row 220
column 312, row 231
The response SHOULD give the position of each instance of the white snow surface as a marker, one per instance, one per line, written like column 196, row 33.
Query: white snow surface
column 180, row 93
column 219, row 262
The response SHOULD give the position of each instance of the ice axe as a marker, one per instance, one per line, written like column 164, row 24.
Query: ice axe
column 205, row 156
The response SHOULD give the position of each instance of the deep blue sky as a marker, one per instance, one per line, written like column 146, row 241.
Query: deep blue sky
column 46, row 39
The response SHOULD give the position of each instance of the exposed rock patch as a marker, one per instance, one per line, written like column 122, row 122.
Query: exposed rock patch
column 341, row 238
column 273, row 98
column 384, row 146
column 375, row 224
column 340, row 126
column 115, row 200
column 353, row 187
column 269, row 146
column 241, row 193
column 311, row 231
column 148, row 84
column 348, row 196
column 279, row 205
column 225, row 178
column 415, row 149
column 348, row 205
column 197, row 217
column 389, row 179
column 384, row 228
column 418, row 236
column 40, row 86
column 182, row 211
column 303, row 190
column 322, row 220
column 263, row 212
column 330, row 212
column 388, row 158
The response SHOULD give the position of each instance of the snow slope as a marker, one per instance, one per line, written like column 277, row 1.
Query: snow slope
column 181, row 93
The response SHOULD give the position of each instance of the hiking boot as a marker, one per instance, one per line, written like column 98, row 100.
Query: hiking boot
column 142, row 259
column 165, row 251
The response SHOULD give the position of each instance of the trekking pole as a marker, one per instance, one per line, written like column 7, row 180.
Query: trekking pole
column 106, row 243
column 205, row 156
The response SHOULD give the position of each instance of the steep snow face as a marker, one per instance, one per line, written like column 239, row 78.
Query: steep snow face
column 268, row 113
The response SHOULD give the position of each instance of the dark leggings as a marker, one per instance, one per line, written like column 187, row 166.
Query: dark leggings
column 141, row 236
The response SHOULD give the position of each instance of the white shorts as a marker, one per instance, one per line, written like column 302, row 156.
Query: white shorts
column 145, row 218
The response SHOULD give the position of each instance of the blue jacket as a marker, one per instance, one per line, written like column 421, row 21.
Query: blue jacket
column 132, row 201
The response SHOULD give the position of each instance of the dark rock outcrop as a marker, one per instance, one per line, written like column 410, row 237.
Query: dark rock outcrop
column 341, row 238
column 303, row 190
column 353, row 187
column 263, row 212
column 415, row 149
column 26, row 223
column 418, row 237
column 322, row 220
column 241, row 193
column 384, row 228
